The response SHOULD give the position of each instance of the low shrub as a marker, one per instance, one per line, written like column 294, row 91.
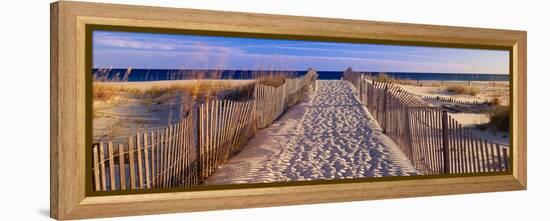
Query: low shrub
column 499, row 118
column 461, row 89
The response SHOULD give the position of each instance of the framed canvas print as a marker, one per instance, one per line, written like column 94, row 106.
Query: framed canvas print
column 161, row 110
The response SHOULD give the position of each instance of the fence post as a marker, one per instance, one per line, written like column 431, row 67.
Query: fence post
column 360, row 89
column 367, row 92
column 445, row 129
column 408, row 133
column 198, row 157
column 385, row 109
column 284, row 96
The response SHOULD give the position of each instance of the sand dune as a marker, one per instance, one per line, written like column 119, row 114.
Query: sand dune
column 329, row 136
column 125, row 114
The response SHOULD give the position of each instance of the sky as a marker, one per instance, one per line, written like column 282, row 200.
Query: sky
column 171, row 51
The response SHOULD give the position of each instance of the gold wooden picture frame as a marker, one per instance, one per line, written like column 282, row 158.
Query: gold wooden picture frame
column 70, row 161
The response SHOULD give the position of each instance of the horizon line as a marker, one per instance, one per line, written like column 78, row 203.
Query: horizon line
column 200, row 69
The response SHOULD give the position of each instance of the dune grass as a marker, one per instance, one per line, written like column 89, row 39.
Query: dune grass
column 272, row 81
column 273, row 78
column 206, row 85
column 102, row 92
column 199, row 89
column 461, row 89
column 383, row 77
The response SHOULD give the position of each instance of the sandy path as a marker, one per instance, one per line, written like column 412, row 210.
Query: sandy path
column 330, row 136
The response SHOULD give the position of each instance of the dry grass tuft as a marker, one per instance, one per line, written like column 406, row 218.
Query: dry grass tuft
column 272, row 78
column 495, row 101
column 461, row 89
column 383, row 77
column 274, row 81
column 104, row 93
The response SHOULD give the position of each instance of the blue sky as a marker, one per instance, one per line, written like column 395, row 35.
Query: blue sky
column 165, row 51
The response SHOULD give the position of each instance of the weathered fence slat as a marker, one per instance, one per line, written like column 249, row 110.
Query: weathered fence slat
column 154, row 159
column 96, row 168
column 131, row 162
column 121, row 167
column 464, row 150
column 175, row 157
column 494, row 157
column 499, row 158
column 111, row 158
column 139, row 161
column 102, row 167
column 146, row 155
column 202, row 144
column 164, row 154
column 445, row 141
column 506, row 159
column 475, row 162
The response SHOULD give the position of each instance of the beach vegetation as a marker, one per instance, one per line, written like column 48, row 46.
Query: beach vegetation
column 495, row 101
column 206, row 84
column 383, row 77
column 104, row 93
column 461, row 89
column 200, row 89
column 499, row 118
column 274, row 81
column 272, row 78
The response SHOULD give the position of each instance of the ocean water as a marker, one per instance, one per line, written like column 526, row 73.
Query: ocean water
column 171, row 74
column 446, row 76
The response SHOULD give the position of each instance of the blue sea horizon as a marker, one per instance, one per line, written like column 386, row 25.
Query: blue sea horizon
column 137, row 75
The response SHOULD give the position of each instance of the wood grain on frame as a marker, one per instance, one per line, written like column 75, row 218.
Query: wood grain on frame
column 68, row 107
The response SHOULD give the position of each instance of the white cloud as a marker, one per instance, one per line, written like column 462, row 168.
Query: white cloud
column 161, row 45
column 260, row 61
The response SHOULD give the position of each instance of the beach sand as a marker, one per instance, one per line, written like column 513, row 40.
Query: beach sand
column 329, row 136
column 130, row 114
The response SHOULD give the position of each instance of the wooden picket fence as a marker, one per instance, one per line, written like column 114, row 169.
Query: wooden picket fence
column 186, row 153
column 433, row 141
column 442, row 145
column 294, row 87
column 161, row 158
column 454, row 100
column 270, row 104
column 224, row 127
